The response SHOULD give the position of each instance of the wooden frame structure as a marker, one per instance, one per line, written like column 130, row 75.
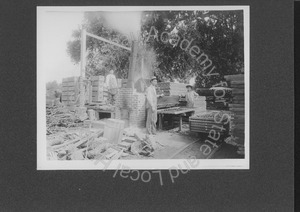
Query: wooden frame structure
column 84, row 34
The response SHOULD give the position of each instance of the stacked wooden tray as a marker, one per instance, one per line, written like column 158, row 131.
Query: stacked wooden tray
column 238, row 106
column 99, row 92
column 70, row 90
column 205, row 122
column 167, row 101
column 213, row 102
column 172, row 88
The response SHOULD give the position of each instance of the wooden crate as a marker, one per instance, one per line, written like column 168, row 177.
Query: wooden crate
column 97, row 88
column 68, row 98
column 113, row 130
column 97, row 78
column 70, row 90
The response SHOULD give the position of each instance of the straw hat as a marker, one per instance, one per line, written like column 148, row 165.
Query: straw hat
column 153, row 78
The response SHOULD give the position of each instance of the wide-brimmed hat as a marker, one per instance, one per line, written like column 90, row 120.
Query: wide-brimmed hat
column 189, row 86
column 153, row 78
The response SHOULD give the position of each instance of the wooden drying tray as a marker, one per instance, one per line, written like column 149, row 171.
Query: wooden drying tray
column 179, row 111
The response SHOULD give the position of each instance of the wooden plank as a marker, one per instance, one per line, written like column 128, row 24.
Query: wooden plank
column 95, row 99
column 100, row 97
column 235, row 109
column 94, row 94
column 239, row 97
column 202, row 129
column 99, row 81
column 234, row 77
column 98, row 84
column 239, row 117
column 98, row 94
column 167, row 100
column 209, row 127
column 69, row 79
column 235, row 101
column 206, row 131
column 236, row 105
column 68, row 98
column 176, row 112
column 97, row 88
column 237, row 82
column 68, row 93
column 69, row 84
column 241, row 86
column 97, row 78
column 68, row 89
column 209, row 121
column 210, row 124
column 238, row 91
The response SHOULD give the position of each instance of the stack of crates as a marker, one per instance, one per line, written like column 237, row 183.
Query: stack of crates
column 209, row 121
column 70, row 90
column 99, row 92
column 237, row 107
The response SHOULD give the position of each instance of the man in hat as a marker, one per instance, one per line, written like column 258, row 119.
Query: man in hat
column 190, row 96
column 58, row 98
column 151, row 106
column 112, row 86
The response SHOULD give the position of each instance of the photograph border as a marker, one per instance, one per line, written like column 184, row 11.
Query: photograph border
column 149, row 164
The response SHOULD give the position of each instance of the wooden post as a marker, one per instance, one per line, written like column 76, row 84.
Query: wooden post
column 180, row 122
column 132, row 65
column 82, row 67
column 160, row 117
column 90, row 91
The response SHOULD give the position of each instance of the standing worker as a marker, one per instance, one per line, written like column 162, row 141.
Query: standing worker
column 112, row 86
column 58, row 97
column 151, row 106
column 190, row 96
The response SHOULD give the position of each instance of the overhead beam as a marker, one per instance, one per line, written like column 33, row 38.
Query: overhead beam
column 107, row 41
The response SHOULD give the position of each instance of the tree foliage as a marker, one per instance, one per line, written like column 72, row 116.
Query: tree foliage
column 101, row 56
column 219, row 34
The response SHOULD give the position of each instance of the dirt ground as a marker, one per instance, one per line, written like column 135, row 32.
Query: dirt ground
column 225, row 151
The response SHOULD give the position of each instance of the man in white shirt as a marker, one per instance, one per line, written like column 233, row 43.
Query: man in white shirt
column 151, row 106
column 190, row 96
column 112, row 86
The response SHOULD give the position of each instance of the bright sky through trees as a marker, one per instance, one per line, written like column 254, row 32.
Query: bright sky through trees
column 54, row 30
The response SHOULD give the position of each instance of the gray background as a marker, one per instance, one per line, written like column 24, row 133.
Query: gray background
column 267, row 186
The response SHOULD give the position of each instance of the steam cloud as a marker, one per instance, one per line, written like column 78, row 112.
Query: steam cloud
column 127, row 23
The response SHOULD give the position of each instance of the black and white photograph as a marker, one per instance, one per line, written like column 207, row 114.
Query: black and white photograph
column 143, row 87
column 149, row 106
